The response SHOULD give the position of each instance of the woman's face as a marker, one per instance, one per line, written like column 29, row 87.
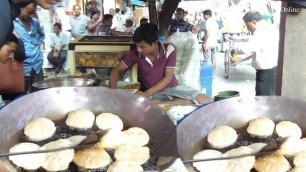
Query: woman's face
column 7, row 52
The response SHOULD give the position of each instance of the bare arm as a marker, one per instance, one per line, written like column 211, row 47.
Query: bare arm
column 196, row 29
column 206, row 36
column 53, row 48
column 91, row 24
column 162, row 84
column 115, row 74
column 114, row 32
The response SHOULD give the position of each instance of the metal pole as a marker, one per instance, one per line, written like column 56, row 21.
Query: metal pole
column 152, row 11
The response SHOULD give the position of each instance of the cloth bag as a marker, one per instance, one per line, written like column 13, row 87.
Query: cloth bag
column 11, row 77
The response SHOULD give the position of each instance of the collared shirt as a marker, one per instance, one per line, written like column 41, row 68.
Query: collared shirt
column 79, row 25
column 181, row 25
column 264, row 42
column 32, row 40
column 58, row 41
column 150, row 73
column 129, row 29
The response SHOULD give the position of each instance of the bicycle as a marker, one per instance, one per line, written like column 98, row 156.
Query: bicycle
column 233, row 40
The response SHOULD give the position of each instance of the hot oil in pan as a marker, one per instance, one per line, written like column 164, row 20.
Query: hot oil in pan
column 63, row 132
column 244, row 139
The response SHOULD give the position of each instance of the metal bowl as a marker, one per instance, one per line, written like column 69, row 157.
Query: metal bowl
column 56, row 103
column 64, row 82
column 235, row 112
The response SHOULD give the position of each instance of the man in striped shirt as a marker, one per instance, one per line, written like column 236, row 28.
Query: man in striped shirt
column 179, row 24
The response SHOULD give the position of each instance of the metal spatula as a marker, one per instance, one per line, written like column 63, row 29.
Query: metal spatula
column 270, row 148
column 89, row 142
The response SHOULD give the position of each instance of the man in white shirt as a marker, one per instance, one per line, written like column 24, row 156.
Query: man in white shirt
column 59, row 48
column 262, row 47
column 78, row 22
column 210, row 38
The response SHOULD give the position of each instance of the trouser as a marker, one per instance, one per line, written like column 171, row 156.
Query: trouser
column 57, row 62
column 266, row 82
column 29, row 80
column 210, row 54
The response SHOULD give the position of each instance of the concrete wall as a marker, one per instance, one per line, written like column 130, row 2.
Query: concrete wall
column 294, row 67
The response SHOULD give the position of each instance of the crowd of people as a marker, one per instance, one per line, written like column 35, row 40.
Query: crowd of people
column 158, row 83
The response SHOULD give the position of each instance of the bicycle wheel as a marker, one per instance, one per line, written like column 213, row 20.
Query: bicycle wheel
column 226, row 64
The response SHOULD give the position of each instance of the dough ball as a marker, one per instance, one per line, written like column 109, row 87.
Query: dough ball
column 28, row 161
column 76, row 140
column 93, row 158
column 261, row 127
column 209, row 166
column 106, row 121
column 39, row 129
column 300, row 159
column 292, row 146
column 240, row 164
column 60, row 160
column 137, row 154
column 113, row 139
column 222, row 137
column 81, row 119
column 272, row 163
column 257, row 147
column 287, row 128
column 124, row 166
column 137, row 136
column 298, row 169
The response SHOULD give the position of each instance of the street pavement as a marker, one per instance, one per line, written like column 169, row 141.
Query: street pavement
column 241, row 79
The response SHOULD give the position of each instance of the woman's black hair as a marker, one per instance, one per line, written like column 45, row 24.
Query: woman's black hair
column 12, row 38
column 147, row 32
column 93, row 11
column 19, row 54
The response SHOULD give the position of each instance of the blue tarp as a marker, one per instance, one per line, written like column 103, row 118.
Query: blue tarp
column 139, row 3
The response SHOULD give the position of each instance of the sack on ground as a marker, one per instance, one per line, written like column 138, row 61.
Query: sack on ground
column 188, row 58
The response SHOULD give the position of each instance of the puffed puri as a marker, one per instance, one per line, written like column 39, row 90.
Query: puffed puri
column 124, row 166
column 80, row 119
column 59, row 160
column 137, row 154
column 137, row 136
column 106, row 121
column 222, row 137
column 92, row 158
column 27, row 161
column 272, row 163
column 209, row 166
column 261, row 127
column 39, row 129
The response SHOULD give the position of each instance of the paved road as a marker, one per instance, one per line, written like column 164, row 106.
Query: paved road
column 242, row 78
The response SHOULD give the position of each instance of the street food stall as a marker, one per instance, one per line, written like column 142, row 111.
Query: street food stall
column 98, row 52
